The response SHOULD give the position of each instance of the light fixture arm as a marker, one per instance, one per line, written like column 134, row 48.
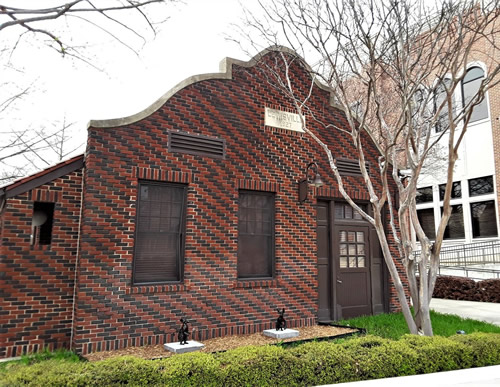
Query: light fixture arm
column 306, row 181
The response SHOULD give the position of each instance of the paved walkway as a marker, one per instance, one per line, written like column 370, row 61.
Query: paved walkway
column 484, row 311
column 472, row 377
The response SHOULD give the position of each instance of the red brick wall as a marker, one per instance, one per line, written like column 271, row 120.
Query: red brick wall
column 36, row 284
column 111, row 312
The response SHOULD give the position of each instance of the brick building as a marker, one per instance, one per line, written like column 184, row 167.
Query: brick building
column 190, row 208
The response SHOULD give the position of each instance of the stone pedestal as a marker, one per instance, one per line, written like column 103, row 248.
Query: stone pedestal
column 178, row 348
column 286, row 334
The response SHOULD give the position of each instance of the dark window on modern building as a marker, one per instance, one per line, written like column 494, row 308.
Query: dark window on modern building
column 440, row 96
column 484, row 222
column 159, row 241
column 41, row 225
column 256, row 234
column 455, row 227
column 424, row 195
column 426, row 219
column 481, row 186
column 456, row 191
column 470, row 86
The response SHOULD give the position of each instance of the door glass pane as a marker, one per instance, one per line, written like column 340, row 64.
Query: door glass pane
column 351, row 236
column 361, row 249
column 360, row 236
column 343, row 249
column 352, row 250
column 339, row 211
column 352, row 261
column 361, row 262
column 343, row 236
column 343, row 261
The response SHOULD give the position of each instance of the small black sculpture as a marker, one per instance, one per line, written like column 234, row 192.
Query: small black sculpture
column 281, row 322
column 183, row 331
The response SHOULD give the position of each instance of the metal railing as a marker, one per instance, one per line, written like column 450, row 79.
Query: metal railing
column 479, row 253
column 477, row 273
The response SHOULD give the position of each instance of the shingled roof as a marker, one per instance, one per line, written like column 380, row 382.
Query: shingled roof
column 29, row 182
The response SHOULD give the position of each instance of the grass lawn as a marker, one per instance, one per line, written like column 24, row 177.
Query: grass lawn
column 393, row 325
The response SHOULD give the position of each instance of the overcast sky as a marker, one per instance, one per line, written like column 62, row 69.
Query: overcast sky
column 192, row 41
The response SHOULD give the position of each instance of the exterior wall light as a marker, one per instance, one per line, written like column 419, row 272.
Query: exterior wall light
column 305, row 182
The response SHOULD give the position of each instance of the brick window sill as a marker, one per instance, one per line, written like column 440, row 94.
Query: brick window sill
column 257, row 283
column 148, row 289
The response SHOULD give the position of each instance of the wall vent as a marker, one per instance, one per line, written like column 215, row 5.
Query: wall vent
column 350, row 167
column 196, row 145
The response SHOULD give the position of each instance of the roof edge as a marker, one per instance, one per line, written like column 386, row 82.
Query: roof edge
column 225, row 72
column 43, row 177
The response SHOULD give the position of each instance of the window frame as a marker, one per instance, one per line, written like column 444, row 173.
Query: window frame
column 272, row 235
column 182, row 248
column 442, row 188
column 431, row 210
column 447, row 228
column 483, row 103
column 471, row 204
column 440, row 92
column 475, row 195
column 431, row 193
column 43, row 234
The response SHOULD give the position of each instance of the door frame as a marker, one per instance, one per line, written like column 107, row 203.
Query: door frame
column 333, row 224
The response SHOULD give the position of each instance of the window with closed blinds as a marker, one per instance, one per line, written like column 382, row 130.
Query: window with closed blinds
column 255, row 234
column 159, row 242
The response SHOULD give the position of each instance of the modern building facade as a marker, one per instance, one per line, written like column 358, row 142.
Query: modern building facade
column 190, row 209
column 475, row 191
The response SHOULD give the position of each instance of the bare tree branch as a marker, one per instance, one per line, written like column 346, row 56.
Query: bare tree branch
column 394, row 67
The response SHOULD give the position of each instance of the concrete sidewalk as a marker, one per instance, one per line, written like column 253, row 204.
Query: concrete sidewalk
column 477, row 377
column 483, row 311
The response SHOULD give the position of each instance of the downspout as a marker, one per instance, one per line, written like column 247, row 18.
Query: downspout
column 77, row 260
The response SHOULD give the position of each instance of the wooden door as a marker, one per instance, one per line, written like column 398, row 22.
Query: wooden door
column 351, row 253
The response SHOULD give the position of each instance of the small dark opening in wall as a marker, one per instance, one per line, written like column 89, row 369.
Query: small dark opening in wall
column 41, row 225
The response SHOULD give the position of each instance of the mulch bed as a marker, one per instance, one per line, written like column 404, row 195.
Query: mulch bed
column 226, row 343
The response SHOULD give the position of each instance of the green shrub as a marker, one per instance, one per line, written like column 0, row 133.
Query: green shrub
column 190, row 369
column 484, row 347
column 323, row 363
column 121, row 370
column 313, row 363
column 435, row 354
column 259, row 366
column 376, row 358
column 46, row 373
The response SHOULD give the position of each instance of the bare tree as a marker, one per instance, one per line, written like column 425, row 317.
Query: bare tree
column 394, row 67
column 35, row 149
column 105, row 16
column 64, row 27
